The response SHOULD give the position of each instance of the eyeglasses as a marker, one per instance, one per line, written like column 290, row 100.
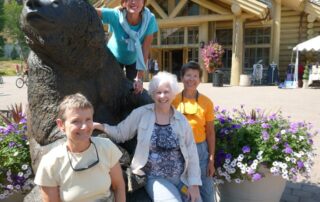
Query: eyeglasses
column 189, row 108
column 89, row 166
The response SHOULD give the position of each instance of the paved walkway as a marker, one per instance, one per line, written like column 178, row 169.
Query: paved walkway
column 300, row 104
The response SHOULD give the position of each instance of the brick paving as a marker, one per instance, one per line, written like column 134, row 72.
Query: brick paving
column 300, row 104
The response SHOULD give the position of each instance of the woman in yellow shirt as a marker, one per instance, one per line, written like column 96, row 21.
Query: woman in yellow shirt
column 199, row 111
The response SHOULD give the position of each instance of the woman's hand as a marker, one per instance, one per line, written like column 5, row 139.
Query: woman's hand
column 138, row 86
column 210, row 168
column 194, row 193
column 138, row 82
column 98, row 126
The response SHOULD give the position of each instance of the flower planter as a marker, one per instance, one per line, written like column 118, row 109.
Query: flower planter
column 268, row 189
column 305, row 83
column 217, row 78
column 16, row 197
column 245, row 80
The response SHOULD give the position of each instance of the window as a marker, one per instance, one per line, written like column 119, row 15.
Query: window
column 190, row 9
column 172, row 36
column 155, row 39
column 226, row 58
column 224, row 37
column 193, row 54
column 253, row 55
column 163, row 4
column 257, row 46
column 193, row 35
column 257, row 35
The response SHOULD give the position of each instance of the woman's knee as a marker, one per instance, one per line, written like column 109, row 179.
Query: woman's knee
column 162, row 190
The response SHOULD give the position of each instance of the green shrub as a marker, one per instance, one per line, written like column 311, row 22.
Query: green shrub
column 15, row 165
column 305, row 75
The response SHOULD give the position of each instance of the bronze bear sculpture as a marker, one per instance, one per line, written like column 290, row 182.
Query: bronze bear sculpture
column 69, row 55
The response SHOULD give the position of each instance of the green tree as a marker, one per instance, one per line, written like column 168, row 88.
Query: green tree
column 12, row 11
column 1, row 28
column 14, row 54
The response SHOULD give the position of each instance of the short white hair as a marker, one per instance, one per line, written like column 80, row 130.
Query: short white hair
column 161, row 78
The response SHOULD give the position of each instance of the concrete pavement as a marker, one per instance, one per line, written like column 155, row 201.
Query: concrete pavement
column 300, row 104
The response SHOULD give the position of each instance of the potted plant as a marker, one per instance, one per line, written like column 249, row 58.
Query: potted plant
column 211, row 55
column 255, row 149
column 16, row 175
column 305, row 77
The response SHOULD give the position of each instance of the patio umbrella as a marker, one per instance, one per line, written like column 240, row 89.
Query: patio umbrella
column 309, row 45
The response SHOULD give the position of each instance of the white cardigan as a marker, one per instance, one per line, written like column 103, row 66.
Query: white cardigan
column 141, row 121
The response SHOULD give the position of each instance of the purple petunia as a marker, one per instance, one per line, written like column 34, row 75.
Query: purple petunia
column 273, row 117
column 288, row 150
column 300, row 164
column 236, row 126
column 23, row 120
column 11, row 144
column 250, row 171
column 265, row 125
column 256, row 177
column 310, row 141
column 246, row 149
column 251, row 121
column 228, row 156
column 216, row 108
column 265, row 135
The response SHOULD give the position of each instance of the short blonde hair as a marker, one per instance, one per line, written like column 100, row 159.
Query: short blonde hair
column 161, row 78
column 74, row 101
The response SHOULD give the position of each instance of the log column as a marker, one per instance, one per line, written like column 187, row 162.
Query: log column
column 237, row 46
column 310, row 18
column 276, row 28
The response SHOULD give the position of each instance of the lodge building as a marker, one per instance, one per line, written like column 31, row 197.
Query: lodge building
column 249, row 30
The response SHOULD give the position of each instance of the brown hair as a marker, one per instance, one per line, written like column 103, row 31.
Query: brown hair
column 191, row 65
column 74, row 101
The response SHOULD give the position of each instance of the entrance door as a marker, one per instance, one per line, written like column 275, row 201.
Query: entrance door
column 172, row 60
column 177, row 62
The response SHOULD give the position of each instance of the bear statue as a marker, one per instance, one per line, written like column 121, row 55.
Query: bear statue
column 69, row 55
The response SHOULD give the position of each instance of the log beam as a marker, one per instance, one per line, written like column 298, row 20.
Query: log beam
column 250, row 6
column 178, row 8
column 158, row 9
column 195, row 20
column 211, row 6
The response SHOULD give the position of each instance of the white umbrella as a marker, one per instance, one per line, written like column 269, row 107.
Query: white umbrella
column 309, row 45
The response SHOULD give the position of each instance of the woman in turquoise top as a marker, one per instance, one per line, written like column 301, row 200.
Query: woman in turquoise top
column 132, row 26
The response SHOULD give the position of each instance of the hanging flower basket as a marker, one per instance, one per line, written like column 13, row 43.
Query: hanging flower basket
column 211, row 55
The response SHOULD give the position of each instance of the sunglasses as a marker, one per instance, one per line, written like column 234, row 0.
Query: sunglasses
column 189, row 108
column 87, row 167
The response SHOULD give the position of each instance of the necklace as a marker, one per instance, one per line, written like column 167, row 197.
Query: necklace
column 163, row 119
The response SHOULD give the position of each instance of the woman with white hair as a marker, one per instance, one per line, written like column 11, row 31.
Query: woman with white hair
column 166, row 152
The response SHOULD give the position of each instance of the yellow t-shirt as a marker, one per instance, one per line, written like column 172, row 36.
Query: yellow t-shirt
column 197, row 113
column 82, row 186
